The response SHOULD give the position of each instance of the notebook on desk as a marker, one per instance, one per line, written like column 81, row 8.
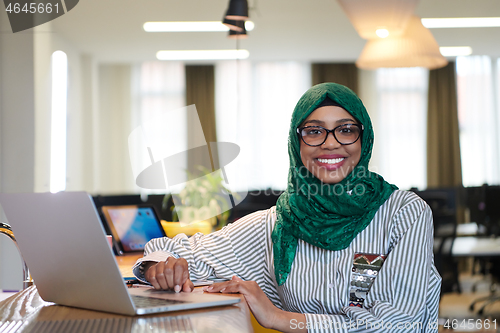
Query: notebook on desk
column 64, row 245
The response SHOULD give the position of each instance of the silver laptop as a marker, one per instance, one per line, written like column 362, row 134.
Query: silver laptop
column 64, row 245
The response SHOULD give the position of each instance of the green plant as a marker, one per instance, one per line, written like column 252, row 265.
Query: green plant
column 204, row 198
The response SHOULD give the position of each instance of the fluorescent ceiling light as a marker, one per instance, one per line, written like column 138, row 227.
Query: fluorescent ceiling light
column 455, row 51
column 202, row 55
column 461, row 22
column 190, row 26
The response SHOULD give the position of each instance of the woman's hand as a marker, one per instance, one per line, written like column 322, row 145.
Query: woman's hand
column 169, row 274
column 263, row 310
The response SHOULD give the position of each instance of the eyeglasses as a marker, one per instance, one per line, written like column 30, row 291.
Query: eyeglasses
column 345, row 134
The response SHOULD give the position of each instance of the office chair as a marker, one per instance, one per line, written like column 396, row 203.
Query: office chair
column 491, row 208
column 475, row 204
column 254, row 201
column 443, row 205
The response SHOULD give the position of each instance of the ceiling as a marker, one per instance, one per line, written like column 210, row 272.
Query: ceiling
column 313, row 30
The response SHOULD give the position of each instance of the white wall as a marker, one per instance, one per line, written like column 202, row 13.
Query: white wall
column 25, row 121
column 43, row 48
column 98, row 120
column 114, row 119
column 17, row 128
column 83, row 170
column 79, row 114
column 368, row 94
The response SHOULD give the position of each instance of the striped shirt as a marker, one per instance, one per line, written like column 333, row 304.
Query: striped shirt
column 403, row 297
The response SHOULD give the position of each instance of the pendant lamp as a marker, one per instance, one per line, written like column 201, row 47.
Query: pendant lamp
column 234, row 24
column 238, row 34
column 238, row 10
column 368, row 16
column 415, row 48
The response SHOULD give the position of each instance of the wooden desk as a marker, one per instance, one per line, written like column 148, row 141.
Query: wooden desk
column 476, row 247
column 126, row 262
column 471, row 246
column 29, row 313
column 470, row 229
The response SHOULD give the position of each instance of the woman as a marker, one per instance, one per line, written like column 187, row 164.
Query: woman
column 342, row 250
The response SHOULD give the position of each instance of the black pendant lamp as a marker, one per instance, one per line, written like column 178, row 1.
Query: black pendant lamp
column 238, row 10
column 238, row 34
column 234, row 25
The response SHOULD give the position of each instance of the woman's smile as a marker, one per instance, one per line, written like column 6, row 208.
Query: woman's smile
column 330, row 162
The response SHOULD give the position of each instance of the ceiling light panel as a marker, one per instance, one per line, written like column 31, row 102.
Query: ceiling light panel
column 461, row 22
column 202, row 55
column 455, row 51
column 206, row 26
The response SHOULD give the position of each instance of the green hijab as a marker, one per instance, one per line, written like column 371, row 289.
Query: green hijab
column 328, row 216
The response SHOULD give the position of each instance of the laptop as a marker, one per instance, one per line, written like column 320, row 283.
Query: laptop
column 63, row 242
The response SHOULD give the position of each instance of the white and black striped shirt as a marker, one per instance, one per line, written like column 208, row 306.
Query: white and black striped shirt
column 404, row 296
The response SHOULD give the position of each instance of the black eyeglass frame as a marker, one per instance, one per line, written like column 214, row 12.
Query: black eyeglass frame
column 360, row 126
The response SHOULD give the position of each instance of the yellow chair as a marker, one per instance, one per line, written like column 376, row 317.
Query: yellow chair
column 174, row 228
column 256, row 326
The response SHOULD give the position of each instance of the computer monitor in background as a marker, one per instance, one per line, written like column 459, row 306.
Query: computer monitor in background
column 492, row 207
column 443, row 203
column 483, row 203
column 475, row 201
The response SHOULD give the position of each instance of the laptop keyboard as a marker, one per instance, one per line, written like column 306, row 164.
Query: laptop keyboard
column 164, row 324
column 147, row 302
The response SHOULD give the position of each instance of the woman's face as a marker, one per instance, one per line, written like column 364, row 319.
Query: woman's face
column 330, row 162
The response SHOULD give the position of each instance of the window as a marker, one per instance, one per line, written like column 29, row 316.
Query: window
column 58, row 122
column 159, row 95
column 254, row 104
column 401, row 126
column 478, row 116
